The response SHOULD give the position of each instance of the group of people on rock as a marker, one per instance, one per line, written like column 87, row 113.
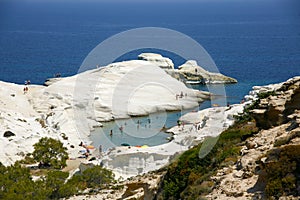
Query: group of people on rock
column 196, row 126
column 25, row 90
column 140, row 123
column 180, row 95
column 27, row 82
column 87, row 151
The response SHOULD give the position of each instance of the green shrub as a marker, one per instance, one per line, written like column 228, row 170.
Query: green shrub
column 28, row 159
column 96, row 177
column 50, row 152
column 53, row 182
column 264, row 95
column 16, row 184
column 189, row 176
column 282, row 171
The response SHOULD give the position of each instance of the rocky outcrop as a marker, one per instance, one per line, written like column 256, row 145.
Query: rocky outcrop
column 190, row 72
column 277, row 112
column 274, row 109
column 241, row 181
column 193, row 73
column 157, row 59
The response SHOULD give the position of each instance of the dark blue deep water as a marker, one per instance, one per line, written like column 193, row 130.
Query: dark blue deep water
column 257, row 43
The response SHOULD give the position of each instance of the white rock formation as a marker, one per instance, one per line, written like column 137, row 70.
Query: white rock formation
column 159, row 60
column 18, row 116
column 73, row 106
column 194, row 73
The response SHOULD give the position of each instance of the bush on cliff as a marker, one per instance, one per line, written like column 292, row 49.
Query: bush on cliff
column 282, row 172
column 50, row 152
column 96, row 177
column 189, row 176
column 16, row 183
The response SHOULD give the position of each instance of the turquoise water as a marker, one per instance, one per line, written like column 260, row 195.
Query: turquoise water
column 136, row 131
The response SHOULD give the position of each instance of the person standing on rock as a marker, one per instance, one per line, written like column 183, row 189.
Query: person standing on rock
column 87, row 153
column 178, row 123
column 100, row 150
column 121, row 129
column 111, row 133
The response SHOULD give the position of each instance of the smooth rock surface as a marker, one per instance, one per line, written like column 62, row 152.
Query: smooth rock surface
column 157, row 59
column 194, row 73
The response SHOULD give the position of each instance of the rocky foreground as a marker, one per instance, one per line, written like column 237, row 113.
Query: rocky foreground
column 278, row 115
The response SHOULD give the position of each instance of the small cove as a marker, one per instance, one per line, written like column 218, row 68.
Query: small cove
column 146, row 130
column 136, row 131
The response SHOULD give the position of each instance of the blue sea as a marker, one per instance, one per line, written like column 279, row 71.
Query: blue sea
column 256, row 42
